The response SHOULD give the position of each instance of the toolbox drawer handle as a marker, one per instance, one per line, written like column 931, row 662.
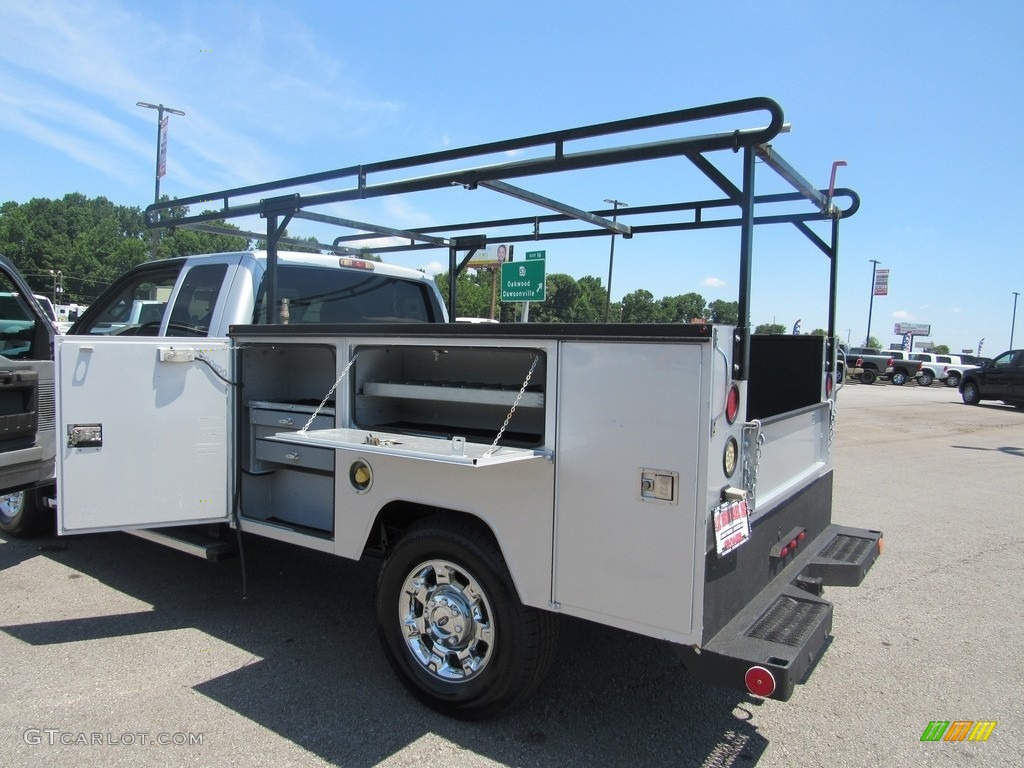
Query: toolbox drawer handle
column 287, row 421
column 292, row 456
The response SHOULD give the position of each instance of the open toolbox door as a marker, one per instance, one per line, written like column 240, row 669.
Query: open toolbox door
column 143, row 427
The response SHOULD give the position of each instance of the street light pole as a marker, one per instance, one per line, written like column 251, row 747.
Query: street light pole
column 58, row 285
column 611, row 257
column 1013, row 321
column 871, row 304
column 160, row 138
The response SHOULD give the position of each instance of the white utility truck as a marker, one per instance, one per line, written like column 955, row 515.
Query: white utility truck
column 662, row 479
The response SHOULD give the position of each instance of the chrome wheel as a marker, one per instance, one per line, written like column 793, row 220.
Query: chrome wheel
column 11, row 506
column 447, row 620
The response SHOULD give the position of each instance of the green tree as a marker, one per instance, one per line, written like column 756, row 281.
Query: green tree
column 681, row 309
column 472, row 292
column 774, row 329
column 639, row 307
column 941, row 349
column 874, row 343
column 724, row 312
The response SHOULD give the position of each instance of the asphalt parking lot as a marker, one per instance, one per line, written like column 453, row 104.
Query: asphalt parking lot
column 114, row 651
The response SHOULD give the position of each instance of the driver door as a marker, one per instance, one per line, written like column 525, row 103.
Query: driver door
column 27, row 426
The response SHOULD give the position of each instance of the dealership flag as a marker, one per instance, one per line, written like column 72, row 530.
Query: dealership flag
column 161, row 165
column 882, row 282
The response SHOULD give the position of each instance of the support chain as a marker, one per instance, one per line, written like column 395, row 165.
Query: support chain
column 327, row 397
column 750, row 473
column 522, row 391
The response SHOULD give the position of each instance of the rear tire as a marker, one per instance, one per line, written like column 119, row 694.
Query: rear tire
column 868, row 377
column 925, row 379
column 970, row 393
column 23, row 516
column 899, row 378
column 452, row 625
column 953, row 380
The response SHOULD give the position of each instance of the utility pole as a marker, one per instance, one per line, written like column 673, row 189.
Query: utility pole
column 871, row 304
column 161, row 151
column 611, row 256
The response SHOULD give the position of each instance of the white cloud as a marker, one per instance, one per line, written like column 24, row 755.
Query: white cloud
column 434, row 268
column 713, row 282
column 72, row 73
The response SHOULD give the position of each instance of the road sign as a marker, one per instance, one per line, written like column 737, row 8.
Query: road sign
column 535, row 255
column 523, row 280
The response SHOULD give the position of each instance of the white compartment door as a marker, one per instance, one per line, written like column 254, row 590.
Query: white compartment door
column 142, row 436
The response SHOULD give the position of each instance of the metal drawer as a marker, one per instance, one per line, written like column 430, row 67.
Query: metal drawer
column 284, row 420
column 297, row 456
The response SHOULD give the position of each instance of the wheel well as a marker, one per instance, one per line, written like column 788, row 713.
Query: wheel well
column 395, row 517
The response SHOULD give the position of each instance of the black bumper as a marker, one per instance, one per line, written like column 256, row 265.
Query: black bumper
column 786, row 626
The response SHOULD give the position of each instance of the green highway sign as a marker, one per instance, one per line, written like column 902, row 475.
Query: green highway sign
column 523, row 280
column 534, row 255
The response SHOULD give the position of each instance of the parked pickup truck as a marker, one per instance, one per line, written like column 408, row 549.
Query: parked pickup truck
column 660, row 479
column 952, row 374
column 905, row 366
column 933, row 367
column 1001, row 379
column 873, row 363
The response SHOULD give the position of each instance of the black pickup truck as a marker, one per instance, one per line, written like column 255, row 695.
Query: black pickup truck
column 1000, row 379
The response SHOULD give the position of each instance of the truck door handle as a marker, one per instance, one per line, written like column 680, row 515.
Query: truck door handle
column 85, row 435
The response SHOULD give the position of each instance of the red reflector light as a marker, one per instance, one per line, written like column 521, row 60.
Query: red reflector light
column 828, row 385
column 784, row 551
column 355, row 263
column 801, row 536
column 732, row 404
column 760, row 681
column 792, row 544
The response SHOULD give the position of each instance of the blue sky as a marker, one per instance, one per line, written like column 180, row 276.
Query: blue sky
column 921, row 99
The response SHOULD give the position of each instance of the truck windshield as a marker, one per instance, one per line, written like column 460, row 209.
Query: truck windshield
column 318, row 295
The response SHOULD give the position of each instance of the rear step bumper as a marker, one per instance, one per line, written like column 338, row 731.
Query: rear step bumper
column 786, row 628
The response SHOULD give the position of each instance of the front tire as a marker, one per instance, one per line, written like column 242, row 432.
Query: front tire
column 23, row 516
column 953, row 380
column 899, row 378
column 868, row 377
column 970, row 393
column 925, row 380
column 452, row 625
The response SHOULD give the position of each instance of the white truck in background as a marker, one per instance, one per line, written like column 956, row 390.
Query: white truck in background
column 660, row 479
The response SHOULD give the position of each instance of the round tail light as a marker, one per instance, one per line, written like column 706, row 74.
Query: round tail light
column 732, row 404
column 760, row 681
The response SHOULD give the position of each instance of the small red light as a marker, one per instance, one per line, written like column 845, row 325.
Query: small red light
column 792, row 544
column 784, row 552
column 801, row 536
column 732, row 404
column 828, row 385
column 760, row 681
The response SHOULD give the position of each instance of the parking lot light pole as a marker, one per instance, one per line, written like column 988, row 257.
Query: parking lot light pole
column 160, row 108
column 871, row 303
column 611, row 257
column 1013, row 321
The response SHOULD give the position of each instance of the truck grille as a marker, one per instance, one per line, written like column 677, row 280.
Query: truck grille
column 788, row 622
column 849, row 549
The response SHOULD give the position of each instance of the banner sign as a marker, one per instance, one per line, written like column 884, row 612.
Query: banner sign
column 161, row 163
column 881, row 282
